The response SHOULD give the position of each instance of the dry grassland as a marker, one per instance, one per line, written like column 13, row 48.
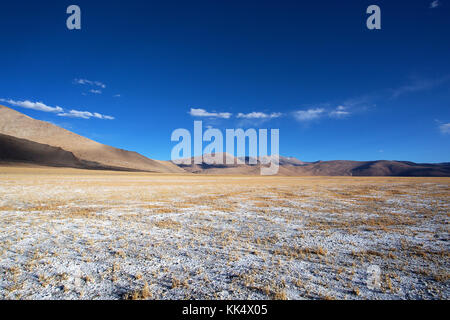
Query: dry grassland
column 74, row 234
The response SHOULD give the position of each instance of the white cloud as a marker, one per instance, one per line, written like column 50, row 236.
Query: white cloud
column 445, row 128
column 325, row 111
column 203, row 113
column 435, row 4
column 39, row 106
column 117, row 96
column 84, row 115
column 81, row 81
column 310, row 114
column 102, row 85
column 259, row 115
column 95, row 91
column 33, row 105
column 77, row 114
column 339, row 112
column 89, row 82
column 419, row 85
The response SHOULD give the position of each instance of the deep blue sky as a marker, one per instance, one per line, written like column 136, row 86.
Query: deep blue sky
column 299, row 59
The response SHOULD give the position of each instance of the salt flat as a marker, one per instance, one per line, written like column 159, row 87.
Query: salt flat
column 78, row 234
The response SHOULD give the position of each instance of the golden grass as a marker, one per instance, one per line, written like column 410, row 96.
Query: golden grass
column 238, row 215
column 167, row 224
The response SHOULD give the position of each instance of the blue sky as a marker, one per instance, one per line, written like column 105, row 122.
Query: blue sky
column 137, row 70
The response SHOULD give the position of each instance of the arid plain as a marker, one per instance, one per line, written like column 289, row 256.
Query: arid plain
column 86, row 234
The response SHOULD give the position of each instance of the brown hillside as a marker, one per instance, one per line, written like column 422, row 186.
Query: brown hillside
column 15, row 151
column 16, row 124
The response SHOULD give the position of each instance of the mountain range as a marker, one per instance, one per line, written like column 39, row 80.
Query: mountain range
column 289, row 166
column 24, row 140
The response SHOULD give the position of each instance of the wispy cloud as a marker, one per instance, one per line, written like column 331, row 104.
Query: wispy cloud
column 445, row 128
column 310, row 114
column 419, row 85
column 32, row 105
column 39, row 106
column 259, row 115
column 434, row 4
column 117, row 96
column 325, row 111
column 203, row 113
column 95, row 91
column 84, row 115
column 89, row 82
column 339, row 112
